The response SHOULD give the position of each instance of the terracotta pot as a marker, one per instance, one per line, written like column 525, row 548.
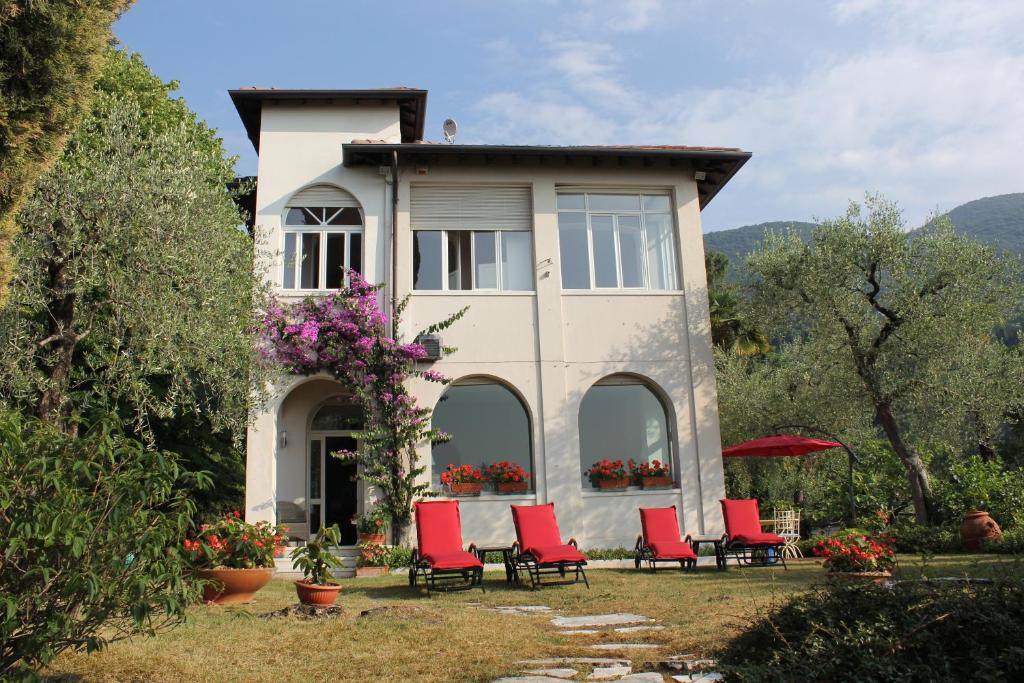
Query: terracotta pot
column 859, row 577
column 233, row 586
column 371, row 571
column 317, row 594
column 656, row 482
column 511, row 487
column 372, row 539
column 977, row 527
column 613, row 484
column 465, row 489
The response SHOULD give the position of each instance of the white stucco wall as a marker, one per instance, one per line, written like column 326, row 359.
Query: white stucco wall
column 548, row 346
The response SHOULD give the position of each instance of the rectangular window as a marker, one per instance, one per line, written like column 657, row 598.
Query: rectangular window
column 317, row 259
column 617, row 241
column 473, row 259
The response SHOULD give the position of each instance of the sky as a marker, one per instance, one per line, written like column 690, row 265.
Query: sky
column 921, row 100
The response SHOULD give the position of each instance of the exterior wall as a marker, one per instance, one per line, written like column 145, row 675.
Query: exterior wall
column 548, row 347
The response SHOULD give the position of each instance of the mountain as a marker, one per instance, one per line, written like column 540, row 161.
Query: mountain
column 997, row 221
column 738, row 242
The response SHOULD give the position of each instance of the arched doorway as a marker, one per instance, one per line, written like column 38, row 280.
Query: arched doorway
column 334, row 489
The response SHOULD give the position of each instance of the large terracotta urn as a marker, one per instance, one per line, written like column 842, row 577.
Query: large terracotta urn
column 977, row 527
column 233, row 586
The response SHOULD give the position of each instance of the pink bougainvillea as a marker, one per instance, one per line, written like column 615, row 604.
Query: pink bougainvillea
column 346, row 334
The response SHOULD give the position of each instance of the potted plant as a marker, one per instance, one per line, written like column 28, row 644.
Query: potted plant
column 508, row 477
column 653, row 475
column 373, row 560
column 608, row 475
column 464, row 480
column 234, row 559
column 372, row 526
column 854, row 555
column 316, row 562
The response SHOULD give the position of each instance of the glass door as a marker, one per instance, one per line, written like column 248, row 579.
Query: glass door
column 333, row 489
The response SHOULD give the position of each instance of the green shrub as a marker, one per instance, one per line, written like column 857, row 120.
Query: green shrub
column 916, row 539
column 399, row 556
column 91, row 528
column 1012, row 543
column 977, row 484
column 914, row 631
column 610, row 553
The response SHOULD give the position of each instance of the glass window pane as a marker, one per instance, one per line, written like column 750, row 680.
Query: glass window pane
column 487, row 424
column 571, row 201
column 314, row 518
column 459, row 259
column 516, row 261
column 619, row 422
column 603, row 236
column 656, row 202
column 309, row 266
column 337, row 417
column 314, row 469
column 661, row 252
column 335, row 274
column 347, row 216
column 289, row 260
column 614, row 202
column 355, row 257
column 572, row 250
column 631, row 251
column 296, row 216
column 426, row 259
column 485, row 276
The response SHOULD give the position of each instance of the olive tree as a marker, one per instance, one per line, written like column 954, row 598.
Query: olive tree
column 910, row 317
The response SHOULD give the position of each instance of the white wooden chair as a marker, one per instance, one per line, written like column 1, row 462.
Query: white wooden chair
column 787, row 525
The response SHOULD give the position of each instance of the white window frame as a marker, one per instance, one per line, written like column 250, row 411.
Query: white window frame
column 323, row 230
column 614, row 215
column 497, row 289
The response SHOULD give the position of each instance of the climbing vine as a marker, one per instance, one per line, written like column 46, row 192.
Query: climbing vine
column 346, row 334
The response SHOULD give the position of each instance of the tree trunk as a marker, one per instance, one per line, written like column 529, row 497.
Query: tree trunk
column 917, row 474
column 60, row 323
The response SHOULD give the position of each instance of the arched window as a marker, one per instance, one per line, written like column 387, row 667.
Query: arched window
column 487, row 423
column 323, row 235
column 621, row 418
column 337, row 417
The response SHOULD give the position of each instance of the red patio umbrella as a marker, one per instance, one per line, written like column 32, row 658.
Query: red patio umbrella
column 783, row 445
column 778, row 446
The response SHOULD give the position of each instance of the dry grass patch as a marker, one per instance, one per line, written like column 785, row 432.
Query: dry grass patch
column 456, row 636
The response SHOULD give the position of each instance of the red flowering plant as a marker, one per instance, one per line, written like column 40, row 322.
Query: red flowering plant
column 505, row 472
column 853, row 551
column 655, row 468
column 606, row 469
column 462, row 474
column 232, row 543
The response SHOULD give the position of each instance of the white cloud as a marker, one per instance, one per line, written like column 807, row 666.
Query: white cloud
column 928, row 111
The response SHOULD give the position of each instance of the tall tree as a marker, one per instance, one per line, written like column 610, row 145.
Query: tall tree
column 51, row 52
column 135, row 288
column 730, row 331
column 904, row 314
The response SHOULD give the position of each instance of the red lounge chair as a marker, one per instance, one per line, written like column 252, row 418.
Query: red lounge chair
column 539, row 550
column 661, row 542
column 439, row 557
column 744, row 539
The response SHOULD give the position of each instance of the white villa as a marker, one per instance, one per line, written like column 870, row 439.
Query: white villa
column 587, row 335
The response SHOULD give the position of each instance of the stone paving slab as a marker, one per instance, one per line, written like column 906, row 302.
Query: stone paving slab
column 600, row 620
column 649, row 677
column 609, row 673
column 625, row 646
column 709, row 677
column 529, row 679
column 593, row 661
column 578, row 632
column 634, row 629
column 555, row 673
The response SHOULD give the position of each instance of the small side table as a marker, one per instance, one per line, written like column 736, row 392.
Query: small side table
column 695, row 542
column 506, row 557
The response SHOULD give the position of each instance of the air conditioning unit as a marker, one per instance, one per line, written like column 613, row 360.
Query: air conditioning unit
column 433, row 346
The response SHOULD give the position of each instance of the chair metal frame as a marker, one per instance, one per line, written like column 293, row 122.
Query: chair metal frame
column 644, row 553
column 524, row 561
column 444, row 580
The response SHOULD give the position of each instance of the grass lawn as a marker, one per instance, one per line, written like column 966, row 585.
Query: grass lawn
column 449, row 638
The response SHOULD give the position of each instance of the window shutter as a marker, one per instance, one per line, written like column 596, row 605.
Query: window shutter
column 323, row 195
column 465, row 207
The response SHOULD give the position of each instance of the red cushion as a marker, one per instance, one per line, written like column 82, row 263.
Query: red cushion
column 457, row 560
column 438, row 528
column 660, row 524
column 758, row 539
column 556, row 553
column 672, row 550
column 742, row 517
column 536, row 526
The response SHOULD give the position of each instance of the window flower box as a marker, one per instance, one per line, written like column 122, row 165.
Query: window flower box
column 662, row 482
column 608, row 475
column 508, row 477
column 506, row 487
column 464, row 480
column 612, row 484
column 465, row 489
column 652, row 475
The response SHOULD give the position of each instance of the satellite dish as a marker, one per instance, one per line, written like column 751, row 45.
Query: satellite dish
column 450, row 128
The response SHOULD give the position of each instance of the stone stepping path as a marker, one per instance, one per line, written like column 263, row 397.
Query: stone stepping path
column 679, row 668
